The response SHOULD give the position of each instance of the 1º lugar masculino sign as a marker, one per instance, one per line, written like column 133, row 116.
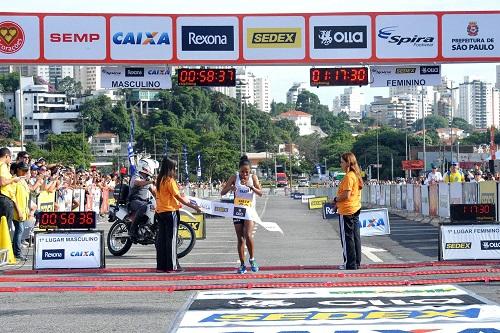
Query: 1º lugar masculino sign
column 159, row 77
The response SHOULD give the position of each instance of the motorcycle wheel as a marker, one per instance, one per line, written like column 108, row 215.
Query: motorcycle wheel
column 118, row 240
column 186, row 238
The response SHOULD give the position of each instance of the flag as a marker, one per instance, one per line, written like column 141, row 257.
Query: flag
column 198, row 170
column 185, row 155
column 318, row 169
column 130, row 146
column 165, row 148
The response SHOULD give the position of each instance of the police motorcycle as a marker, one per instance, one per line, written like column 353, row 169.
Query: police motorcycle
column 119, row 241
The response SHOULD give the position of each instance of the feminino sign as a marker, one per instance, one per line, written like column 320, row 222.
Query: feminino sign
column 470, row 241
column 405, row 75
column 136, row 77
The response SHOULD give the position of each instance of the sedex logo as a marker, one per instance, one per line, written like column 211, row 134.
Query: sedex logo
column 53, row 254
column 207, row 38
column 340, row 37
column 392, row 36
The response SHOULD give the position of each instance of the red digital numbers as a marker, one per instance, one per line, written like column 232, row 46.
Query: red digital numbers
column 349, row 76
column 66, row 220
column 206, row 77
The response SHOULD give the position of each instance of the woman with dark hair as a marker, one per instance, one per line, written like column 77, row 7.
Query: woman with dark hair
column 245, row 186
column 168, row 200
column 348, row 201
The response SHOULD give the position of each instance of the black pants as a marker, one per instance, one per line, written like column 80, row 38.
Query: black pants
column 7, row 210
column 351, row 240
column 166, row 241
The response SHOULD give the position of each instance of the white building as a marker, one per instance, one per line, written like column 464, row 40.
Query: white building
column 301, row 119
column 105, row 144
column 387, row 110
column 497, row 84
column 349, row 102
column 294, row 92
column 262, row 89
column 476, row 102
column 89, row 77
column 253, row 90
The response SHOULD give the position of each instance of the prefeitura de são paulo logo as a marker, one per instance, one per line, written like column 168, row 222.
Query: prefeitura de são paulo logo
column 472, row 29
column 11, row 37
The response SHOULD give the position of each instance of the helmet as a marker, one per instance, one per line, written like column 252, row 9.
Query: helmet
column 147, row 166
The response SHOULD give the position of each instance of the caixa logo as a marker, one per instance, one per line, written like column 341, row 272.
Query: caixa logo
column 141, row 38
column 207, row 38
column 392, row 36
column 82, row 254
column 370, row 223
column 53, row 254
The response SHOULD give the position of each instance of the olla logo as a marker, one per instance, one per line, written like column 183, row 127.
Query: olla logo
column 11, row 37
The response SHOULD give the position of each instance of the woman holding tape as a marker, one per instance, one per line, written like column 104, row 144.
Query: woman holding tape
column 245, row 186
column 348, row 201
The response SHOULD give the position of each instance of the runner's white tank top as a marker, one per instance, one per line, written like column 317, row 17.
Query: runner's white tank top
column 244, row 196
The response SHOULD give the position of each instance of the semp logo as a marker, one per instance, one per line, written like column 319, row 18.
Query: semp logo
column 11, row 37
column 54, row 254
column 490, row 245
column 74, row 37
column 134, row 72
column 274, row 37
column 207, row 38
column 340, row 37
column 458, row 246
column 429, row 70
column 392, row 36
column 239, row 211
column 141, row 38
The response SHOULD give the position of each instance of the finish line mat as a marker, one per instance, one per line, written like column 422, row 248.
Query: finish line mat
column 415, row 309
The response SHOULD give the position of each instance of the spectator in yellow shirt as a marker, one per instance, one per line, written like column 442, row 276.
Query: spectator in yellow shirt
column 22, row 207
column 7, row 188
column 454, row 175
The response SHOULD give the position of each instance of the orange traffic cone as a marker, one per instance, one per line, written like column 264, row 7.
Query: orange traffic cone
column 5, row 242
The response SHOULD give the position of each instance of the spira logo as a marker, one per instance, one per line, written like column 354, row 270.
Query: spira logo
column 389, row 33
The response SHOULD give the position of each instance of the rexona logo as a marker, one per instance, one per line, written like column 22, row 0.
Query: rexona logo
column 54, row 254
column 490, row 245
column 207, row 38
column 11, row 37
column 74, row 37
column 141, row 38
column 82, row 254
column 458, row 246
column 134, row 72
column 392, row 35
column 340, row 37
column 274, row 37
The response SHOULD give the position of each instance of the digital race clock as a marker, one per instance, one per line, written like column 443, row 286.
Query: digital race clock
column 206, row 77
column 472, row 212
column 342, row 76
column 66, row 220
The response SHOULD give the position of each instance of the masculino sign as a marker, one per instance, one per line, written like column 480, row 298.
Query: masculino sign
column 470, row 241
column 374, row 222
column 69, row 250
column 405, row 75
column 136, row 77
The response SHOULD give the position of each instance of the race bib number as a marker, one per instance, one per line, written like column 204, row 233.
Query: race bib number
column 243, row 202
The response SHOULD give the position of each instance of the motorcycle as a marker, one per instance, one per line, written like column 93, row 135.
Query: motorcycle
column 119, row 240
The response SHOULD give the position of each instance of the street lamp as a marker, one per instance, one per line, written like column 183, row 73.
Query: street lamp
column 241, row 83
column 83, row 130
column 450, row 122
column 422, row 92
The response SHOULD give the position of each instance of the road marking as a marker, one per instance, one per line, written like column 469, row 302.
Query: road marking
column 368, row 252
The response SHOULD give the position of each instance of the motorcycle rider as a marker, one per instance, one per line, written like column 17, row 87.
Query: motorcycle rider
column 141, row 188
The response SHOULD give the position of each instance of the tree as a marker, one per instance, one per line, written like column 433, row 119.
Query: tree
column 69, row 86
column 431, row 122
column 462, row 124
column 9, row 82
column 68, row 149
column 92, row 112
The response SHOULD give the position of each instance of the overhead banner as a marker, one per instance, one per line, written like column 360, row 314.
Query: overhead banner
column 470, row 241
column 412, row 164
column 424, row 193
column 374, row 222
column 405, row 75
column 83, row 249
column 136, row 77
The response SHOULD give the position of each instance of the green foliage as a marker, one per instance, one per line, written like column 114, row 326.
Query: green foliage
column 69, row 86
column 68, row 149
column 9, row 82
column 431, row 122
column 462, row 124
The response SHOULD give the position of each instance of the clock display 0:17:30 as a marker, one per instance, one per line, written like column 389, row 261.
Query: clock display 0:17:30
column 66, row 220
column 203, row 77
column 339, row 76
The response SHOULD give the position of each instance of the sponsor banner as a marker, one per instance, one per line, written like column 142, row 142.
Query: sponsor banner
column 230, row 210
column 406, row 36
column 381, row 199
column 470, row 241
column 398, row 196
column 69, row 250
column 340, row 37
column 456, row 193
column 417, row 198
column 273, row 37
column 403, row 196
column 487, row 192
column 433, row 200
column 471, row 35
column 212, row 38
column 317, row 202
column 141, row 38
column 373, row 194
column 470, row 193
column 136, row 77
column 402, row 76
column 19, row 37
column 392, row 202
column 409, row 198
column 45, row 201
column 74, row 37
column 198, row 225
column 329, row 211
column 305, row 198
column 374, row 222
column 424, row 193
column 298, row 195
column 412, row 164
column 444, row 200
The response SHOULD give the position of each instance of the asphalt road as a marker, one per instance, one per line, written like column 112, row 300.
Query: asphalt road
column 307, row 240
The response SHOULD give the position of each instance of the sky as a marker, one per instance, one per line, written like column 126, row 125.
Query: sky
column 281, row 77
